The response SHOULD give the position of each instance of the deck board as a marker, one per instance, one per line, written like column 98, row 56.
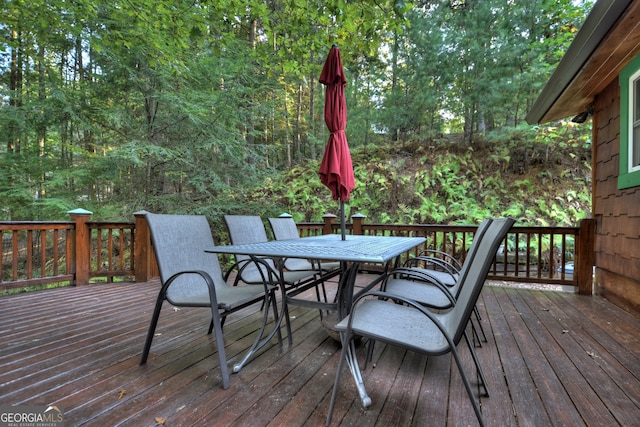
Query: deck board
column 528, row 375
column 492, row 358
column 552, row 358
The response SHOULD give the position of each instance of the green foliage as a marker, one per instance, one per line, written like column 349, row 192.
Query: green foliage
column 214, row 107
column 451, row 185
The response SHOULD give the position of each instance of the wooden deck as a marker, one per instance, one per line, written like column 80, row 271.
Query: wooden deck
column 553, row 358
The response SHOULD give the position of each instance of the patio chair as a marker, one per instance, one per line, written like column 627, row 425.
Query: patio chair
column 433, row 288
column 439, row 264
column 410, row 325
column 191, row 277
column 436, row 288
column 285, row 228
column 250, row 229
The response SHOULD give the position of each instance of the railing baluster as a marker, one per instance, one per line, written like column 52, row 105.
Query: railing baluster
column 563, row 253
column 121, row 246
column 29, row 243
column 99, row 249
column 56, row 237
column 68, row 246
column 516, row 250
column 14, row 258
column 539, row 255
column 43, row 253
column 552, row 246
column 110, row 253
column 1, row 255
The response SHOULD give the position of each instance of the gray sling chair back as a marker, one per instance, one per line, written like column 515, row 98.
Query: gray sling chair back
column 378, row 315
column 191, row 277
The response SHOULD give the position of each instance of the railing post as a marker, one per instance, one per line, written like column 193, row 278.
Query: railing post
column 585, row 256
column 328, row 218
column 144, row 263
column 81, row 247
column 358, row 220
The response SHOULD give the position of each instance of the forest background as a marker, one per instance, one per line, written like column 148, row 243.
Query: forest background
column 214, row 107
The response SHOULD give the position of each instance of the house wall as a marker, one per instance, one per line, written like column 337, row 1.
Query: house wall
column 617, row 212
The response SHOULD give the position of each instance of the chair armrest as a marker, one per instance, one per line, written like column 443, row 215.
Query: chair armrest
column 268, row 275
column 423, row 276
column 239, row 266
column 213, row 299
column 441, row 256
column 443, row 265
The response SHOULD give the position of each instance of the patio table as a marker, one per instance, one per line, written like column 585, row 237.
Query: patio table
column 351, row 252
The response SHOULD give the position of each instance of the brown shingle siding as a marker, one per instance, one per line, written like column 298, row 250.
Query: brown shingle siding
column 608, row 189
column 608, row 169
column 617, row 242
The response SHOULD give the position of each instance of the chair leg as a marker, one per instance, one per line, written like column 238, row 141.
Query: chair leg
column 483, row 379
column 318, row 294
column 467, row 385
column 336, row 384
column 287, row 321
column 370, row 345
column 222, row 319
column 324, row 291
column 477, row 342
column 479, row 319
column 152, row 328
column 217, row 326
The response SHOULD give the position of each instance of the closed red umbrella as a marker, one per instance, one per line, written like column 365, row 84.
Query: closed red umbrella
column 336, row 169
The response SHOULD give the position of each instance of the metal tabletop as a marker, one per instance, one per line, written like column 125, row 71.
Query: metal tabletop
column 370, row 249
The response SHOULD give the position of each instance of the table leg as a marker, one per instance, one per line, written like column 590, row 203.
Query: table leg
column 346, row 287
column 345, row 300
column 259, row 343
column 354, row 367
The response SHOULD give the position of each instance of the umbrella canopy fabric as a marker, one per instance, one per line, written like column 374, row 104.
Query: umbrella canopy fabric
column 336, row 169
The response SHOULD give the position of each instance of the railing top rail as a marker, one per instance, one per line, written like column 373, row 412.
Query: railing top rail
column 28, row 225
column 450, row 227
column 108, row 224
column 37, row 223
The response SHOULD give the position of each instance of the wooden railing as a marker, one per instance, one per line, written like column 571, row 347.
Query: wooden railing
column 547, row 255
column 80, row 251
column 73, row 252
column 35, row 253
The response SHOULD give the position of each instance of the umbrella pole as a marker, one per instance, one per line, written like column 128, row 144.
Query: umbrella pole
column 342, row 220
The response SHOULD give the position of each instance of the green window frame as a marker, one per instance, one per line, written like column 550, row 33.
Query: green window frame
column 629, row 80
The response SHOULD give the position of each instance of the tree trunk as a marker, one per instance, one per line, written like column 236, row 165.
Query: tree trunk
column 41, row 127
column 394, row 83
column 312, row 117
column 15, row 86
column 298, row 138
